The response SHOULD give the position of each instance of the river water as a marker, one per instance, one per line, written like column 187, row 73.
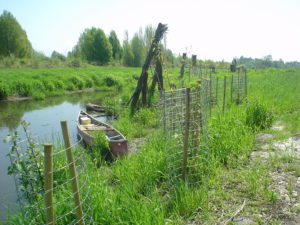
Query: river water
column 44, row 117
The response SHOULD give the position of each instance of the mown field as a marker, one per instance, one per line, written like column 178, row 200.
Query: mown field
column 137, row 189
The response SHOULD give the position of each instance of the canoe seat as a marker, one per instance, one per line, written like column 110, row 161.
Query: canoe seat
column 93, row 127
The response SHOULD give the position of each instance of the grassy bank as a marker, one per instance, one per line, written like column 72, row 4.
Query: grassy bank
column 40, row 83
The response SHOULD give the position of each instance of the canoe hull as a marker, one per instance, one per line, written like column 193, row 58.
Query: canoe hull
column 118, row 147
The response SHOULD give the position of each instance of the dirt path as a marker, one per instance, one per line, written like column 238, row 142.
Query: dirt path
column 284, row 158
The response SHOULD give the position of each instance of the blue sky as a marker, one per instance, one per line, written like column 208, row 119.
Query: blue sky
column 212, row 29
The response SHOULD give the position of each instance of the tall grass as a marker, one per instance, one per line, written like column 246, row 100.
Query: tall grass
column 39, row 83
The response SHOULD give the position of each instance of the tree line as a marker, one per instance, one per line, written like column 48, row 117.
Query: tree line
column 93, row 47
column 97, row 48
column 266, row 62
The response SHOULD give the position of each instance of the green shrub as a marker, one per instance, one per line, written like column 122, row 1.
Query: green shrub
column 96, row 80
column 38, row 95
column 59, row 84
column 258, row 116
column 70, row 87
column 38, row 85
column 88, row 82
column 110, row 81
column 49, row 85
column 146, row 117
column 23, row 88
column 101, row 150
column 4, row 90
column 78, row 82
column 75, row 62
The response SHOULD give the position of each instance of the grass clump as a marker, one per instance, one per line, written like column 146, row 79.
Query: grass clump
column 4, row 91
column 258, row 117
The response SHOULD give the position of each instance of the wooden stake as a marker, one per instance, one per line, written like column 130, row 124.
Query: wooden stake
column 231, row 88
column 72, row 171
column 238, row 86
column 186, row 135
column 49, row 184
column 217, row 89
column 224, row 95
column 246, row 84
column 210, row 93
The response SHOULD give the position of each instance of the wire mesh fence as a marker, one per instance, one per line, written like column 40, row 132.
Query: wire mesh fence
column 185, row 116
column 49, row 192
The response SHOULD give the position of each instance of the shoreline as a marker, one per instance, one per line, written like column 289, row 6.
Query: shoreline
column 19, row 98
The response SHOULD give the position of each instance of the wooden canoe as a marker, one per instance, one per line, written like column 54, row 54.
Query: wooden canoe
column 94, row 107
column 117, row 141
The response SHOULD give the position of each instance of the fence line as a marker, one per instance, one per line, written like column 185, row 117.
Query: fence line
column 65, row 181
column 185, row 113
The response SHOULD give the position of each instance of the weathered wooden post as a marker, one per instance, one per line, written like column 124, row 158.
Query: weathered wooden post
column 72, row 171
column 183, row 65
column 49, row 184
column 217, row 89
column 224, row 95
column 238, row 86
column 231, row 88
column 246, row 84
column 186, row 135
column 145, row 89
column 164, row 112
column 210, row 93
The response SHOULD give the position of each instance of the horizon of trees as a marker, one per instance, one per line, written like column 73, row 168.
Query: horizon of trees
column 97, row 48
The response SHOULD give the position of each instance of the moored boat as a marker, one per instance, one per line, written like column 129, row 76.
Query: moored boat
column 94, row 107
column 87, row 126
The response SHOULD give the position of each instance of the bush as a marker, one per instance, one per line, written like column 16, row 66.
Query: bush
column 75, row 62
column 23, row 88
column 88, row 82
column 38, row 85
column 101, row 150
column 59, row 84
column 38, row 95
column 78, row 82
column 70, row 87
column 110, row 81
column 146, row 117
column 96, row 80
column 4, row 91
column 49, row 85
column 258, row 116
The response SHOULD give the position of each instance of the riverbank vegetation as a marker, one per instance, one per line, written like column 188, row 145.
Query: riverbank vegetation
column 138, row 189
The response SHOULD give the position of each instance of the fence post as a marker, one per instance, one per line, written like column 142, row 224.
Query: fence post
column 210, row 93
column 217, row 89
column 186, row 135
column 73, row 176
column 49, row 184
column 238, row 86
column 224, row 94
column 164, row 112
column 246, row 85
column 231, row 88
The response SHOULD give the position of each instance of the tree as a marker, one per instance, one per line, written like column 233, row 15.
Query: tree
column 13, row 39
column 116, row 47
column 137, row 46
column 94, row 46
column 127, row 54
column 57, row 55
